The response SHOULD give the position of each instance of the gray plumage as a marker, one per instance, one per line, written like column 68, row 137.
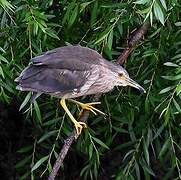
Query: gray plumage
column 70, row 71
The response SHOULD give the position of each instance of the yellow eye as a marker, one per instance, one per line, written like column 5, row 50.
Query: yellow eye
column 121, row 76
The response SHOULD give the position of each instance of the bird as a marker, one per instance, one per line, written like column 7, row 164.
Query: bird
column 72, row 71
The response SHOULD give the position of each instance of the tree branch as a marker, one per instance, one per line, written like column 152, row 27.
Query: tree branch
column 134, row 38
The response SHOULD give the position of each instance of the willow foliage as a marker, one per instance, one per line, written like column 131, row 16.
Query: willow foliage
column 140, row 137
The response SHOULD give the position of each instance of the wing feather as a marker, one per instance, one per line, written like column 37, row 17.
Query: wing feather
column 69, row 57
column 47, row 80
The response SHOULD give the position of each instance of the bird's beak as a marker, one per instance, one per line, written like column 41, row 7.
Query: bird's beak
column 134, row 84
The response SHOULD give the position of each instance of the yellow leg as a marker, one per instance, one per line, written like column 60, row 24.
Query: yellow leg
column 88, row 106
column 78, row 125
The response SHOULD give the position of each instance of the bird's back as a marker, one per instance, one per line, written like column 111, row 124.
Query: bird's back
column 75, row 57
column 60, row 71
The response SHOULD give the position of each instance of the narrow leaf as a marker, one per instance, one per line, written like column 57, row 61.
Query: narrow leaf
column 90, row 151
column 3, row 59
column 25, row 149
column 178, row 89
column 100, row 142
column 163, row 4
column 104, row 35
column 172, row 78
column 165, row 146
column 141, row 1
column 84, row 5
column 177, row 106
column 47, row 135
column 73, row 16
column 27, row 98
column 147, row 168
column 21, row 163
column 158, row 12
column 146, row 153
column 166, row 89
column 41, row 161
column 178, row 56
column 170, row 64
column 1, row 72
column 37, row 110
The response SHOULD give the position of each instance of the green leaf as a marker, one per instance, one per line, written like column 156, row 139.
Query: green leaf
column 27, row 98
column 164, row 148
column 1, row 72
column 39, row 163
column 94, row 13
column 25, row 176
column 170, row 64
column 47, row 135
column 2, row 50
column 6, row 5
column 178, row 24
column 24, row 161
column 25, row 149
column 125, row 145
column 158, row 12
column 37, row 110
column 3, row 59
column 110, row 40
column 146, row 153
column 84, row 5
column 177, row 106
column 159, row 131
column 128, row 153
column 146, row 11
column 73, row 16
column 68, row 12
column 147, row 168
column 151, row 18
column 90, row 151
column 163, row 4
column 120, row 130
column 141, row 1
column 105, row 4
column 178, row 56
column 178, row 89
column 172, row 78
column 50, row 122
column 167, row 89
column 100, row 142
column 52, row 34
column 104, row 35
column 167, row 115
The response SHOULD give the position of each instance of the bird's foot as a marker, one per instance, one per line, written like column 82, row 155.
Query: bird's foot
column 78, row 127
column 89, row 106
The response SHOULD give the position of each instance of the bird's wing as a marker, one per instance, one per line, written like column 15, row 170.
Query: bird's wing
column 69, row 57
column 51, row 80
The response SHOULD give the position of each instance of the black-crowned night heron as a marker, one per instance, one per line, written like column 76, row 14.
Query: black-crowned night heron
column 70, row 72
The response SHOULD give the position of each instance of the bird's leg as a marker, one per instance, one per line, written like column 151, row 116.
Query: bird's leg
column 88, row 106
column 78, row 125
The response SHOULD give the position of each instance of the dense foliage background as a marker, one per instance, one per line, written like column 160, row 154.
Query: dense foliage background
column 140, row 136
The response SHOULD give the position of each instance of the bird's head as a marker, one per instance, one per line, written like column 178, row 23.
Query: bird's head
column 123, row 79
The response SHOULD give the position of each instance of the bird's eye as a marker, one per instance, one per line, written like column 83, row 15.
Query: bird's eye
column 120, row 74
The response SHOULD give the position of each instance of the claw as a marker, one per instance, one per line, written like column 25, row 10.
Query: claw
column 79, row 126
column 88, row 106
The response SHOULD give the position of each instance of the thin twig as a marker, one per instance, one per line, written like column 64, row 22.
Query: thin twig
column 133, row 40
